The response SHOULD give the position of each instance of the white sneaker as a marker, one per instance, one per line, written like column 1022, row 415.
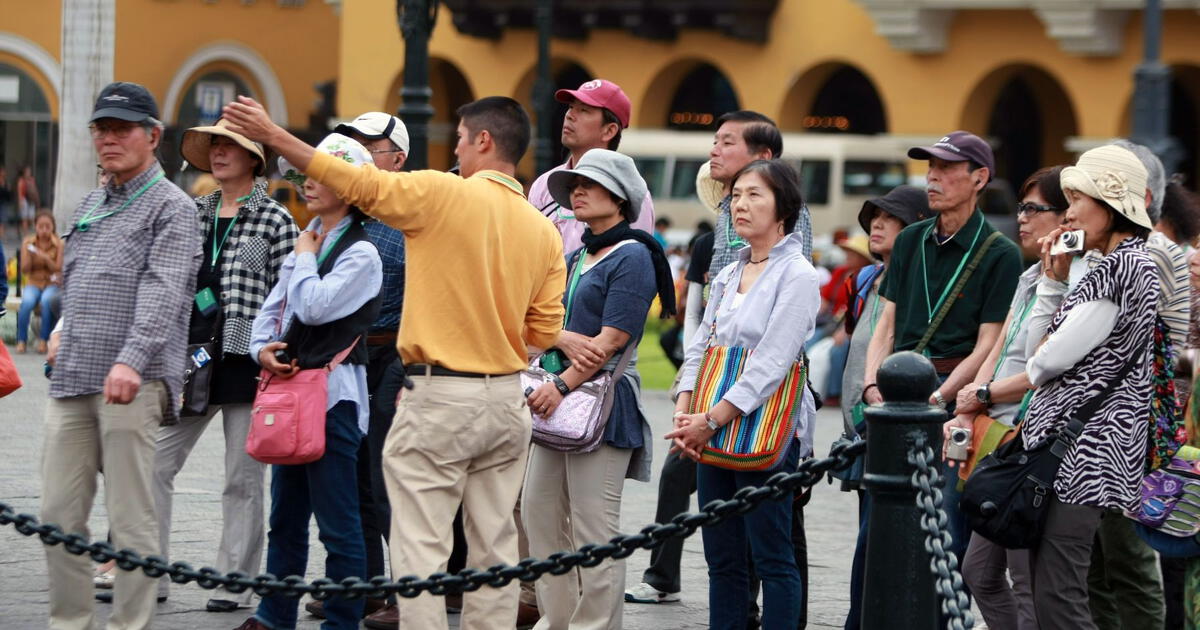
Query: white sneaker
column 645, row 594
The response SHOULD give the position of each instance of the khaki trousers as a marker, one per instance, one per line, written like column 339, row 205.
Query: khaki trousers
column 570, row 500
column 241, row 544
column 456, row 440
column 84, row 436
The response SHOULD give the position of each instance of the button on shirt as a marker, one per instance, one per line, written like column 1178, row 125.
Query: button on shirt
column 355, row 278
column 128, row 287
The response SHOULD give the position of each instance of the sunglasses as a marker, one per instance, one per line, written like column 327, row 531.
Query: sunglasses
column 1028, row 209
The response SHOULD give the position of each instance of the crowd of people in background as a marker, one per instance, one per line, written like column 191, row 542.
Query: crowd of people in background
column 428, row 464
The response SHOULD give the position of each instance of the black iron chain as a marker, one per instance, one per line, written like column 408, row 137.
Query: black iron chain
column 926, row 479
column 808, row 474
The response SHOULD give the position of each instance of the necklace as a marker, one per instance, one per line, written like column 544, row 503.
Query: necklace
column 759, row 262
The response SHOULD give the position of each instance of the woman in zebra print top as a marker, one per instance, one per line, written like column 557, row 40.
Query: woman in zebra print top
column 1092, row 331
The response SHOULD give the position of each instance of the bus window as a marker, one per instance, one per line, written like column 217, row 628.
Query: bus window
column 814, row 181
column 653, row 171
column 871, row 178
column 683, row 180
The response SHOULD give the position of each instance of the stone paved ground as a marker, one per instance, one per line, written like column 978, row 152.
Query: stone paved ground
column 830, row 519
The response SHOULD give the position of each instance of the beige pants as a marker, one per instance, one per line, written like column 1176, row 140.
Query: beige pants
column 456, row 440
column 84, row 436
column 571, row 500
column 241, row 544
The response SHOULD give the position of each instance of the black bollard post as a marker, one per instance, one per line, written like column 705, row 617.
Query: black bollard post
column 898, row 592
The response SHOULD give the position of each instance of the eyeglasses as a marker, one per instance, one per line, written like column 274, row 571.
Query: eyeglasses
column 1028, row 209
column 119, row 130
column 385, row 151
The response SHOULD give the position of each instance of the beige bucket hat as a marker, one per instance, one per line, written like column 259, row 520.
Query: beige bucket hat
column 196, row 141
column 1114, row 176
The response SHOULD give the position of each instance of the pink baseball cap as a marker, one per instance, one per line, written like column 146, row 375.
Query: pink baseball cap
column 600, row 93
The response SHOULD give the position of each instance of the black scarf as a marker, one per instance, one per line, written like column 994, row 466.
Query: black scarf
column 662, row 271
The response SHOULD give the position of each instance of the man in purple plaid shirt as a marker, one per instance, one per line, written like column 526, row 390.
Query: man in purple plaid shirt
column 128, row 279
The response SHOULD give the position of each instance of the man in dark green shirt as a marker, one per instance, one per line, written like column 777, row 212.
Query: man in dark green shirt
column 928, row 260
column 932, row 256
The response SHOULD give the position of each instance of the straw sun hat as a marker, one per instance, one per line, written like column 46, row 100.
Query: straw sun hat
column 196, row 141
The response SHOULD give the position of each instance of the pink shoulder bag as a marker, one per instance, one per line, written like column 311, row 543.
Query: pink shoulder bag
column 287, row 421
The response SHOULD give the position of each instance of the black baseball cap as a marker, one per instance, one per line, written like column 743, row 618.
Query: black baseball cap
column 959, row 146
column 125, row 101
column 907, row 203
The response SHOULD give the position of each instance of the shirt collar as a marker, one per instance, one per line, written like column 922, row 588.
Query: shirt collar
column 315, row 224
column 504, row 180
column 965, row 235
column 789, row 243
column 258, row 194
column 135, row 183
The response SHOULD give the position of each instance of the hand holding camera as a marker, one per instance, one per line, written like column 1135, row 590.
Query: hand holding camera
column 956, row 439
column 1059, row 248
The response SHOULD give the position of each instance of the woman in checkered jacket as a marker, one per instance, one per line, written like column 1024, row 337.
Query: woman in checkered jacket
column 247, row 236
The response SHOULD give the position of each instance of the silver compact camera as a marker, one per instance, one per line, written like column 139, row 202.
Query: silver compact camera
column 1068, row 243
column 960, row 444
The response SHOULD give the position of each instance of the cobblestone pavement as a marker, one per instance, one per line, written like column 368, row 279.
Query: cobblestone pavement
column 830, row 519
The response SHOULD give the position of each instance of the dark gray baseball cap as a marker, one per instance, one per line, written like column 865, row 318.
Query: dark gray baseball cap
column 907, row 203
column 125, row 101
column 614, row 171
column 959, row 146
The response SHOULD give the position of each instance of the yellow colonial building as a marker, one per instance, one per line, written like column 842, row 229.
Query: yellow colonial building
column 1041, row 79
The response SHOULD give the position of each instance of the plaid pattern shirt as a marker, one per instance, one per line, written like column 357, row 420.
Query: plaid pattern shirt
column 263, row 235
column 128, row 285
column 724, row 252
column 390, row 243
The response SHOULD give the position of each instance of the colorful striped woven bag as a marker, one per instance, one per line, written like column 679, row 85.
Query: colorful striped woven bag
column 759, row 439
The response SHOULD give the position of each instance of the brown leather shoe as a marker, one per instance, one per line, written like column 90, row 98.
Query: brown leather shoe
column 386, row 618
column 251, row 624
column 527, row 616
column 315, row 608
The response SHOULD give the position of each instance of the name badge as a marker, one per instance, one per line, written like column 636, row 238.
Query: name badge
column 206, row 302
column 201, row 357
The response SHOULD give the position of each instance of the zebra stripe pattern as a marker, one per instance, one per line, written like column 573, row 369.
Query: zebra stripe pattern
column 754, row 441
column 1105, row 466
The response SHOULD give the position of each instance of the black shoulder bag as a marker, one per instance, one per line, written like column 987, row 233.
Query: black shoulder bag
column 1006, row 497
column 197, row 376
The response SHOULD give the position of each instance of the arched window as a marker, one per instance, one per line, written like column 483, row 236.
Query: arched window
column 846, row 103
column 702, row 97
column 28, row 136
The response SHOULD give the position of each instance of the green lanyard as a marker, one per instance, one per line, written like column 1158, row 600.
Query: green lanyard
column 325, row 254
column 1013, row 329
column 216, row 246
column 953, row 279
column 84, row 223
column 574, row 283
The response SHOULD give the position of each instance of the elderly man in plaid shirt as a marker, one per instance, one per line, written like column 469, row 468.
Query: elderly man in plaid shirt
column 128, row 278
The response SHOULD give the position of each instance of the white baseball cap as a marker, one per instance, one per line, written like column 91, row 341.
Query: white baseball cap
column 376, row 125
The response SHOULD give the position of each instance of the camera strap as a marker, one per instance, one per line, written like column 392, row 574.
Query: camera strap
column 955, row 292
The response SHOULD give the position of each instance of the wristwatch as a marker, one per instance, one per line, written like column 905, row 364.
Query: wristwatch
column 559, row 384
column 712, row 424
column 984, row 394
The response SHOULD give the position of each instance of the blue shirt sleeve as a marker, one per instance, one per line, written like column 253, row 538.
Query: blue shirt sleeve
column 631, row 289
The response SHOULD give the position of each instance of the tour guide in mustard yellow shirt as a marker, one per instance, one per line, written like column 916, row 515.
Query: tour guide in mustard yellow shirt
column 485, row 278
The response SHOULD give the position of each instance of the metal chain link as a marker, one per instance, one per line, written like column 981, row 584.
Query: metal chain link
column 683, row 525
column 943, row 563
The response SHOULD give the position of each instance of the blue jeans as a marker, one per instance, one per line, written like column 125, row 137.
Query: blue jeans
column 32, row 297
column 325, row 488
column 768, row 529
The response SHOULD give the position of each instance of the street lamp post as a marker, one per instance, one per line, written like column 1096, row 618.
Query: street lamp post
column 417, row 18
column 543, row 87
column 1152, row 91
